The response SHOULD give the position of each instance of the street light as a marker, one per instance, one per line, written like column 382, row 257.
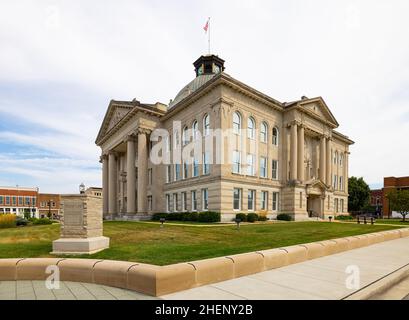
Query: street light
column 162, row 221
column 49, row 207
column 238, row 220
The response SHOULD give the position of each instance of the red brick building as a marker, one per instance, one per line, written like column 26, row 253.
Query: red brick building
column 389, row 184
column 20, row 201
column 49, row 205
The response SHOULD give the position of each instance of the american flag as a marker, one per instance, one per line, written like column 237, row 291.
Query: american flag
column 206, row 27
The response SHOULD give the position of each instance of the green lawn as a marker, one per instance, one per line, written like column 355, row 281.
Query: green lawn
column 148, row 243
column 393, row 221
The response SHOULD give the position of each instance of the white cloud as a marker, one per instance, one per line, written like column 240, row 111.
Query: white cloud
column 353, row 53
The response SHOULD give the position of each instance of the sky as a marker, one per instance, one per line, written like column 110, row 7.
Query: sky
column 61, row 62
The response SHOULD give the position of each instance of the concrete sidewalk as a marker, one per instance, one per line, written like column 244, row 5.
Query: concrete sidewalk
column 322, row 278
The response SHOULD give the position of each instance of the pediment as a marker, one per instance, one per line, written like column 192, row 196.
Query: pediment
column 318, row 108
column 316, row 186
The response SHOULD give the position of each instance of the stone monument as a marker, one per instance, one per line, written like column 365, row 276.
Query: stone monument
column 81, row 226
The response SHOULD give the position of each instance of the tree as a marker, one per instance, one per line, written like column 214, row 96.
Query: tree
column 359, row 194
column 399, row 202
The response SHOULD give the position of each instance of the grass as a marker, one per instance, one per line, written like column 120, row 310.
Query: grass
column 148, row 243
column 393, row 221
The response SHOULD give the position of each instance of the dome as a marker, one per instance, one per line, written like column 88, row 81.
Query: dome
column 193, row 86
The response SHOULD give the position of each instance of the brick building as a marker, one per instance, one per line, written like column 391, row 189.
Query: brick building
column 20, row 201
column 389, row 184
column 49, row 205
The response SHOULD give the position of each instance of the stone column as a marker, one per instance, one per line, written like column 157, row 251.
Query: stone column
column 328, row 162
column 142, row 170
column 301, row 175
column 105, row 184
column 293, row 152
column 130, row 175
column 322, row 159
column 112, row 183
column 346, row 167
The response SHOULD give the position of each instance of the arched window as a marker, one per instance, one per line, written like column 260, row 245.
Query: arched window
column 236, row 123
column 341, row 159
column 263, row 132
column 206, row 125
column 195, row 130
column 251, row 128
column 336, row 157
column 275, row 136
column 185, row 137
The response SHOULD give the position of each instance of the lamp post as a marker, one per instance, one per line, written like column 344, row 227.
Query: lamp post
column 162, row 221
column 238, row 220
column 49, row 207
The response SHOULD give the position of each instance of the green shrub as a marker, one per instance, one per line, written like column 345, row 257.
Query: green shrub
column 344, row 217
column 284, row 217
column 209, row 216
column 190, row 216
column 242, row 217
column 262, row 218
column 7, row 220
column 21, row 221
column 42, row 221
column 252, row 217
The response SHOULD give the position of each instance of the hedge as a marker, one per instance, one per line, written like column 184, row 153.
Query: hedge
column 206, row 216
column 242, row 217
column 344, row 217
column 284, row 217
column 252, row 217
column 42, row 221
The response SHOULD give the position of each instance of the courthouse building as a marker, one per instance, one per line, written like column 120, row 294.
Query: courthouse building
column 279, row 157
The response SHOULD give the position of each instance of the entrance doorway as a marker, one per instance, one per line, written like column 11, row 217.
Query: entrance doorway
column 315, row 206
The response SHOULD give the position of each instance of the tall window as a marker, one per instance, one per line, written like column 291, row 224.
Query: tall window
column 206, row 163
column 206, row 125
column 335, row 182
column 263, row 167
column 341, row 159
column 168, row 173
column 275, row 201
column 149, row 203
column 195, row 171
column 185, row 170
column 251, row 197
column 8, row 200
column 250, row 165
column 168, row 203
column 20, row 201
column 237, row 199
column 251, row 128
column 236, row 162
column 194, row 201
column 195, row 130
column 177, row 171
column 184, row 201
column 274, row 169
column 335, row 157
column 1, row 199
column 264, row 200
column 27, row 201
column 336, row 204
column 14, row 200
column 236, row 123
column 263, row 132
column 185, row 137
column 275, row 136
column 175, row 202
column 34, row 202
column 205, row 199
column 341, row 185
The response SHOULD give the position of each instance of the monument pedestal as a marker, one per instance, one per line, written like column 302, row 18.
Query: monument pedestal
column 81, row 226
column 80, row 246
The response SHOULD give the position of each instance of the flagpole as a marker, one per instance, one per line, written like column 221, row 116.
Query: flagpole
column 209, row 36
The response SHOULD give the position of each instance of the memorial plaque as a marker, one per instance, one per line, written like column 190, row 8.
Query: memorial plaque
column 73, row 214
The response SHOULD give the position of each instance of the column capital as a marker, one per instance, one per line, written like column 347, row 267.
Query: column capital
column 113, row 153
column 143, row 131
column 103, row 157
column 293, row 122
column 130, row 137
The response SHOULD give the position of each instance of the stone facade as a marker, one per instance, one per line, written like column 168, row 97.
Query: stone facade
column 278, row 158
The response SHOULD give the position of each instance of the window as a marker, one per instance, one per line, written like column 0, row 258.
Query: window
column 275, row 136
column 168, row 173
column 250, row 165
column 274, row 169
column 195, row 130
column 168, row 203
column 168, row 141
column 149, row 203
column 14, row 200
column 275, row 201
column 263, row 167
column 184, row 201
column 206, row 163
column 336, row 204
column 300, row 199
column 27, row 201
column 8, row 200
column 177, row 171
column 342, row 205
column 236, row 162
column 251, row 128
column 237, row 199
column 205, row 199
column 185, row 170
column 149, row 176
column 341, row 159
column 206, row 125
column 194, row 201
column 251, row 197
column 341, row 185
column 336, row 157
column 263, row 132
column 195, row 170
column 264, row 200
column 185, row 137
column 1, row 199
column 335, row 182
column 175, row 202
column 236, row 123
column 329, row 202
column 20, row 201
